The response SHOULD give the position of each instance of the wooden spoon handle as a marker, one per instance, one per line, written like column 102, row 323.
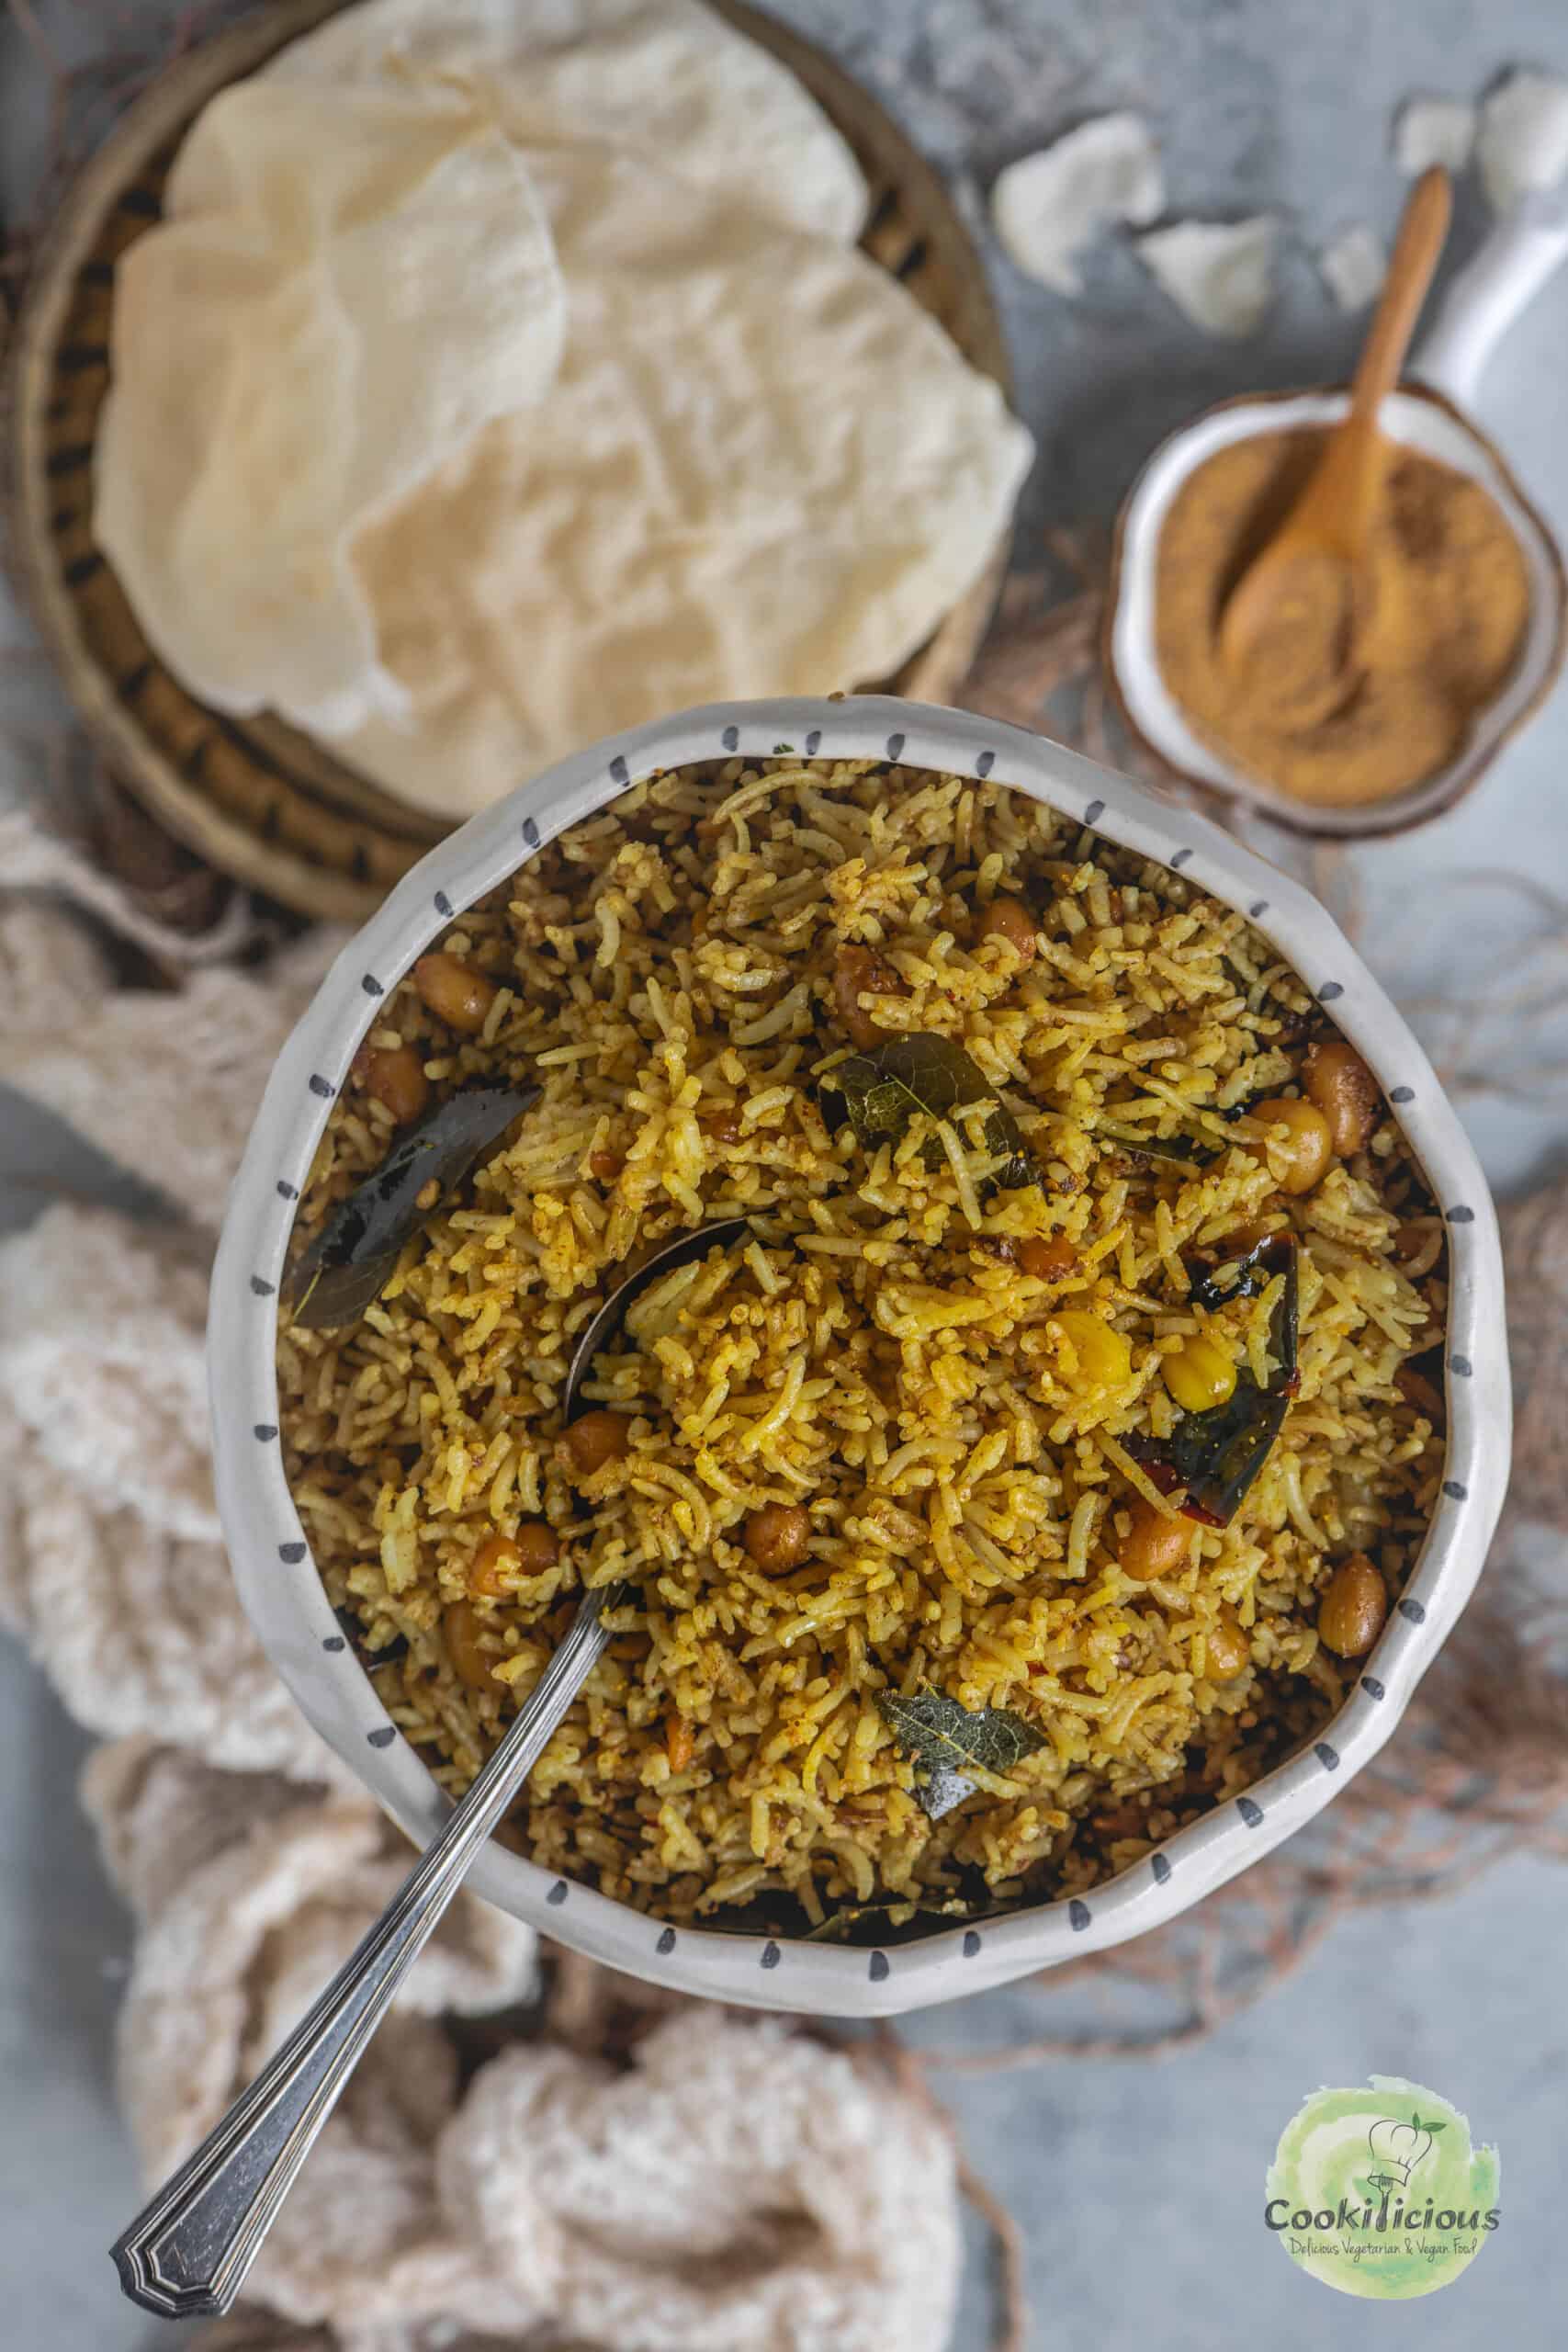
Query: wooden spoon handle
column 1422, row 230
column 1355, row 455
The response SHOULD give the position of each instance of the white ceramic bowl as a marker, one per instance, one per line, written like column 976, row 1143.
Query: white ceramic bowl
column 1414, row 418
column 272, row 1562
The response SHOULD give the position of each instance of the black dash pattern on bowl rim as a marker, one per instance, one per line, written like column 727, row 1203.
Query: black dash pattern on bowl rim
column 971, row 1943
column 264, row 1431
column 1373, row 1687
column 443, row 903
column 984, row 763
column 1178, row 858
column 1094, row 812
column 666, row 1943
column 1461, row 1216
column 1463, row 1366
column 730, row 739
column 1455, row 1489
column 1078, row 1915
column 1414, row 1611
column 530, row 833
column 1250, row 1811
column 287, row 1191
column 1258, row 908
column 383, row 1737
column 1327, row 1756
column 372, row 986
column 895, row 747
column 1160, row 1865
column 770, row 1955
column 619, row 771
column 335, row 1642
column 558, row 1892
column 814, row 742
column 880, row 1967
column 261, row 1287
column 322, row 1086
column 291, row 1553
column 1402, row 1094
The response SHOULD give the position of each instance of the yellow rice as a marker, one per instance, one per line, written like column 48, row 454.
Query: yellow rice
column 668, row 979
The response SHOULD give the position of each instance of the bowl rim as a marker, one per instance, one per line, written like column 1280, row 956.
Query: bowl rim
column 1418, row 804
column 287, row 1604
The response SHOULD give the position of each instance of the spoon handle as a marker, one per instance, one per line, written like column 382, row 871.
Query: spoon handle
column 1355, row 454
column 189, row 2250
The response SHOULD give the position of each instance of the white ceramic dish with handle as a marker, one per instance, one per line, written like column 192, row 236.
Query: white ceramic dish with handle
column 272, row 1562
column 1430, row 416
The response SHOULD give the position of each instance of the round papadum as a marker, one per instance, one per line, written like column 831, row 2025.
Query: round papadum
column 345, row 290
column 664, row 79
column 762, row 468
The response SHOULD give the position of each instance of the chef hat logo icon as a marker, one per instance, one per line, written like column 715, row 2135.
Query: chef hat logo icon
column 1399, row 2147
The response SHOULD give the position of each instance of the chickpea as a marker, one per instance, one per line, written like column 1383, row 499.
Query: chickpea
column 1009, row 919
column 456, row 993
column 680, row 1743
column 777, row 1537
column 1335, row 1077
column 396, row 1078
column 473, row 1666
column 1199, row 1376
column 857, row 972
column 501, row 1560
column 1301, row 1160
column 605, row 1166
column 1155, row 1545
column 1103, row 1356
column 493, row 1567
column 1354, row 1608
column 595, row 1439
column 1048, row 1261
column 537, row 1547
column 1226, row 1650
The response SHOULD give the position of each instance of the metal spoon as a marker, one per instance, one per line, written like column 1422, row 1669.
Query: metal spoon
column 188, row 2252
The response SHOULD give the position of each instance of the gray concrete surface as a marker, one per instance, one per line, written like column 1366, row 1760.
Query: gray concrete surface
column 1138, row 2183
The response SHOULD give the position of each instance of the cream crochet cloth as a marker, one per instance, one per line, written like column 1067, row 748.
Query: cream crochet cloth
column 736, row 2187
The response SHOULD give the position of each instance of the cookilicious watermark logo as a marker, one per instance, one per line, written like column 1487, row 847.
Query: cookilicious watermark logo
column 1378, row 2192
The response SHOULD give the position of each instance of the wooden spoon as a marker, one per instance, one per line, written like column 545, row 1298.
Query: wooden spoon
column 1307, row 578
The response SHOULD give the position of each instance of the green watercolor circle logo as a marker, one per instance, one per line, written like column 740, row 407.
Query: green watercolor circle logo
column 1378, row 2192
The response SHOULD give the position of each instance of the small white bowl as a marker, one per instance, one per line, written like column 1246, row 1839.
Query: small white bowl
column 1431, row 417
column 272, row 1563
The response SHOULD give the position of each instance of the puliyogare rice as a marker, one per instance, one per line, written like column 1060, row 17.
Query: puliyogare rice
column 908, row 1438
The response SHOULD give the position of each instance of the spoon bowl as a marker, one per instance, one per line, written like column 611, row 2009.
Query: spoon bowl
column 1429, row 417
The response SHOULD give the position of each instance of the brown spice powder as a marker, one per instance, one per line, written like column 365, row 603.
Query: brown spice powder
column 1444, row 604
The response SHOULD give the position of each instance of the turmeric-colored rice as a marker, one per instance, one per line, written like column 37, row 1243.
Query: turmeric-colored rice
column 964, row 1444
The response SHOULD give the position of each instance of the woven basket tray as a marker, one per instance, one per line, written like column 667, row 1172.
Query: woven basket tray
column 256, row 798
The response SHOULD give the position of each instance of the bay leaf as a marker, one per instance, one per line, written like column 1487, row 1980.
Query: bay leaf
column 347, row 1266
column 945, row 1742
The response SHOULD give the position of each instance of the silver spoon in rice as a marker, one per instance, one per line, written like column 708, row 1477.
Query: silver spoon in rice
column 188, row 2252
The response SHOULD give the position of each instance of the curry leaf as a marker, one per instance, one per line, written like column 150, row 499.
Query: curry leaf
column 350, row 1262
column 882, row 1091
column 1279, row 1253
column 1217, row 1454
column 946, row 1742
